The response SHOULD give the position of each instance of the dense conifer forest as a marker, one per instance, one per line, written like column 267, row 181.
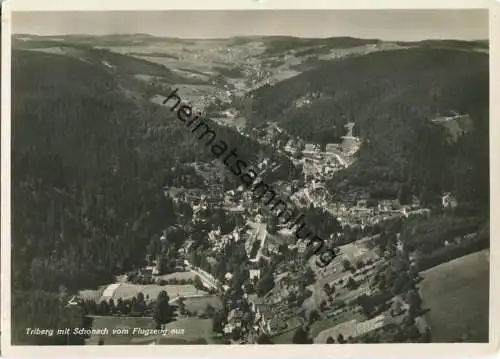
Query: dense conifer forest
column 392, row 96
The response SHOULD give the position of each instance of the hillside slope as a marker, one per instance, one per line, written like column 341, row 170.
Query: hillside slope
column 88, row 167
column 391, row 97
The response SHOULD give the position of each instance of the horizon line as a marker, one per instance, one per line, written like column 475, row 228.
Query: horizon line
column 246, row 36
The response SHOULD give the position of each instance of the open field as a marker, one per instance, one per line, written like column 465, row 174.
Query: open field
column 189, row 331
column 284, row 338
column 195, row 331
column 112, row 322
column 324, row 324
column 351, row 328
column 457, row 294
column 128, row 290
column 199, row 304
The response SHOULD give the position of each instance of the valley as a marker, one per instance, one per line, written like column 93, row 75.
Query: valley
column 383, row 145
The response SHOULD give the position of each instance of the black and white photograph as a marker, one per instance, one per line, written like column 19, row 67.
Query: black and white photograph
column 249, row 177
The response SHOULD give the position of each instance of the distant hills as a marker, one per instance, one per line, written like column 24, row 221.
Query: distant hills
column 276, row 44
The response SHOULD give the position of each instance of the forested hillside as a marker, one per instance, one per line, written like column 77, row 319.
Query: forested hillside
column 88, row 168
column 391, row 96
column 78, row 173
column 279, row 44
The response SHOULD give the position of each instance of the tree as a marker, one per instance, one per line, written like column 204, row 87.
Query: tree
column 265, row 283
column 347, row 265
column 217, row 322
column 367, row 303
column 396, row 308
column 63, row 294
column 404, row 194
column 414, row 301
column 120, row 306
column 272, row 223
column 313, row 316
column 138, row 304
column 308, row 275
column 326, row 288
column 330, row 340
column 329, row 289
column 111, row 304
column 182, row 305
column 351, row 284
column 236, row 334
column 195, row 258
column 198, row 284
column 164, row 263
column 359, row 264
column 402, row 283
column 322, row 305
column 90, row 307
column 425, row 197
column 255, row 249
column 103, row 308
column 301, row 336
column 38, row 309
column 264, row 339
column 382, row 283
column 340, row 339
column 162, row 313
column 209, row 310
column 140, row 297
column 413, row 274
column 408, row 320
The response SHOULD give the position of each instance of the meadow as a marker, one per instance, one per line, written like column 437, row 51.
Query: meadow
column 457, row 294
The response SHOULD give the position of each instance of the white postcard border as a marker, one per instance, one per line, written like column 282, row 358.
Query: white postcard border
column 333, row 350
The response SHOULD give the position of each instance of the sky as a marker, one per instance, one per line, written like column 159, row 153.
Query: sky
column 403, row 25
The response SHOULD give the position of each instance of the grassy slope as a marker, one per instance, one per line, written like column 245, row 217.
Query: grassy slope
column 457, row 294
column 127, row 65
column 111, row 323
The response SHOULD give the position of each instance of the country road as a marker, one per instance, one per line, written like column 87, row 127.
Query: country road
column 341, row 160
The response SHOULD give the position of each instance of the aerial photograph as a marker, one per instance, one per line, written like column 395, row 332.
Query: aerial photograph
column 250, row 177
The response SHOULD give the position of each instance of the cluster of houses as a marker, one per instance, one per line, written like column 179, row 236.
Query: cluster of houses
column 307, row 99
column 354, row 211
column 274, row 317
column 270, row 318
column 219, row 241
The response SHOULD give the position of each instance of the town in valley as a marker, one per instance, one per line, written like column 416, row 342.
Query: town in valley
column 123, row 221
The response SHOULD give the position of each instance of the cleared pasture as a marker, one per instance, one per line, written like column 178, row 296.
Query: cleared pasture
column 457, row 294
